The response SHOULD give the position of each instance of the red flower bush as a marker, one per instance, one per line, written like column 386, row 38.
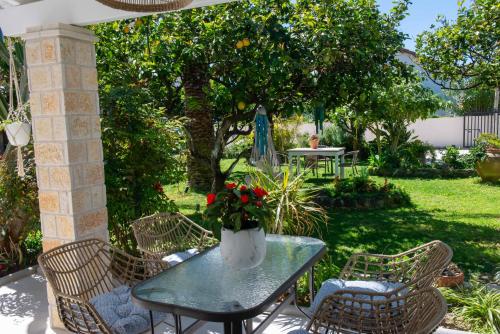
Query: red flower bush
column 238, row 208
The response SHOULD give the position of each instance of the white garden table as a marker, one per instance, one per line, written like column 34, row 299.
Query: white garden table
column 337, row 152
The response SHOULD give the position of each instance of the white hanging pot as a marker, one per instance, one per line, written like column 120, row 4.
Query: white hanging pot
column 243, row 249
column 18, row 133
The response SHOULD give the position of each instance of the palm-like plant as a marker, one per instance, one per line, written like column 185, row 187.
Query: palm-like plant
column 294, row 210
column 476, row 305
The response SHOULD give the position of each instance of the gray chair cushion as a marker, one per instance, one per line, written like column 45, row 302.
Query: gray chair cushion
column 298, row 331
column 121, row 315
column 331, row 286
column 177, row 258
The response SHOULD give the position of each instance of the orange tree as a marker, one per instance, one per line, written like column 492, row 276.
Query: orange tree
column 216, row 65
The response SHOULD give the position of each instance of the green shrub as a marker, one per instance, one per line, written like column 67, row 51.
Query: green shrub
column 413, row 154
column 476, row 306
column 451, row 157
column 233, row 150
column 31, row 246
column 142, row 152
column 335, row 136
column 489, row 139
column 285, row 133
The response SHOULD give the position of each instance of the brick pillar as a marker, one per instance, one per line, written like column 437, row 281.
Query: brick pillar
column 67, row 136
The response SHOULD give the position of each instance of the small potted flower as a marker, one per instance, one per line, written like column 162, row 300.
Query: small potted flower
column 242, row 214
column 314, row 141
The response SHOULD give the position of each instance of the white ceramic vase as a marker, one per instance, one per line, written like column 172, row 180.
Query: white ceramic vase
column 18, row 133
column 243, row 249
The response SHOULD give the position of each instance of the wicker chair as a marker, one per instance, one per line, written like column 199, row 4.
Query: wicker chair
column 419, row 312
column 82, row 270
column 395, row 311
column 164, row 234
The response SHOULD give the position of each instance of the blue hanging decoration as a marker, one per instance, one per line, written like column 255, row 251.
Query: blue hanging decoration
column 319, row 117
column 261, row 129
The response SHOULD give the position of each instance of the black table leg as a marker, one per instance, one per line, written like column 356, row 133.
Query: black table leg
column 151, row 322
column 233, row 327
column 178, row 324
column 312, row 292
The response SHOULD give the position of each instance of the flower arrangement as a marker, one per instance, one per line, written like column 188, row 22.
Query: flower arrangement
column 238, row 208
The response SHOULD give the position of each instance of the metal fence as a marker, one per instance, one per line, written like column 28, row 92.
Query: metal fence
column 476, row 123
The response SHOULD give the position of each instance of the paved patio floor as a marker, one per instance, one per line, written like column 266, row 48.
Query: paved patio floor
column 23, row 309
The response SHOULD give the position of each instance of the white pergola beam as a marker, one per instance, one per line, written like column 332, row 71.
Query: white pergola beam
column 15, row 21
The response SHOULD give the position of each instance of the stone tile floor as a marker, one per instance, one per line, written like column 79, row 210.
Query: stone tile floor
column 23, row 309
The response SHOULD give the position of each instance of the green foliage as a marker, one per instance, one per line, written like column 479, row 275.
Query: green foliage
column 464, row 53
column 31, row 246
column 476, row 305
column 285, row 133
column 234, row 149
column 238, row 208
column 142, row 152
column 393, row 108
column 18, row 198
column 489, row 139
column 294, row 210
column 451, row 157
column 335, row 136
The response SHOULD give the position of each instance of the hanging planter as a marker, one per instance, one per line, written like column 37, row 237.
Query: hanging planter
column 17, row 125
column 18, row 133
column 147, row 5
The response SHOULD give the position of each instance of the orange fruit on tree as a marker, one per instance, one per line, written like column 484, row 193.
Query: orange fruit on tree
column 241, row 105
column 126, row 29
column 239, row 45
column 246, row 42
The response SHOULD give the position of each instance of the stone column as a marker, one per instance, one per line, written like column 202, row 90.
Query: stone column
column 67, row 136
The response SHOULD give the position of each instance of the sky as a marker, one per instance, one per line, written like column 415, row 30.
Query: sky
column 423, row 13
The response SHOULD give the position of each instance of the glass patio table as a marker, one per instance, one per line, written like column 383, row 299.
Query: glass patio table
column 205, row 288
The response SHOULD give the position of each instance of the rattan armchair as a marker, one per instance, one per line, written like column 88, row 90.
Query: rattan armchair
column 419, row 312
column 402, row 309
column 416, row 268
column 82, row 270
column 163, row 234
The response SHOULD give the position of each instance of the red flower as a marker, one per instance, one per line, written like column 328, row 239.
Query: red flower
column 243, row 188
column 258, row 203
column 230, row 186
column 244, row 199
column 259, row 192
column 158, row 187
column 211, row 198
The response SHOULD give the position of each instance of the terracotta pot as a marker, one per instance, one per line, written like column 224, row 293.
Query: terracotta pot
column 451, row 277
column 314, row 143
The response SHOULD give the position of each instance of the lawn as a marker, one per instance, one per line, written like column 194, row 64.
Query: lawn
column 464, row 213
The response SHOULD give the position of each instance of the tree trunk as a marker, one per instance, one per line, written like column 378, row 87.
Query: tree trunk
column 199, row 127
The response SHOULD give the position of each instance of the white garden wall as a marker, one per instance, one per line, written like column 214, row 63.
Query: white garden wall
column 439, row 132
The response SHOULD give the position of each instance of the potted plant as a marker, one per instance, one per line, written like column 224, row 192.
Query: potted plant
column 488, row 166
column 451, row 277
column 241, row 214
column 314, row 141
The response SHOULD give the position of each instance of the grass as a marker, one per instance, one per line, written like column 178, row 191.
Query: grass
column 464, row 213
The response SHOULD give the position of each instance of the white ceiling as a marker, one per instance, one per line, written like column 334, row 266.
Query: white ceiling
column 16, row 19
column 11, row 3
